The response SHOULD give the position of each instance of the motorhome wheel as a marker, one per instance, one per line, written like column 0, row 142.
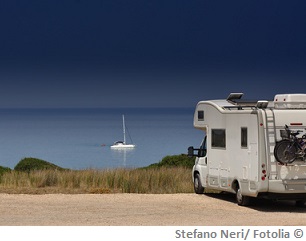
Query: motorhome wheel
column 241, row 199
column 198, row 188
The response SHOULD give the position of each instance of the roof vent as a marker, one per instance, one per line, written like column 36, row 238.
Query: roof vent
column 235, row 99
column 234, row 96
column 262, row 104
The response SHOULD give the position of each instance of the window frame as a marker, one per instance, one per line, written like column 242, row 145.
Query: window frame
column 200, row 115
column 218, row 140
column 244, row 137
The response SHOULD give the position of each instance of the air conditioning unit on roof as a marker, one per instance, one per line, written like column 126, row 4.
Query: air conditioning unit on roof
column 290, row 101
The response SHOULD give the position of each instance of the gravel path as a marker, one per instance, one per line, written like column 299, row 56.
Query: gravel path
column 143, row 209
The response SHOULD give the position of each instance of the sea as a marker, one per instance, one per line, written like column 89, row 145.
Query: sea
column 81, row 138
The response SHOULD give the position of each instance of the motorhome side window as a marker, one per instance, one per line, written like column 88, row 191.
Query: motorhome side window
column 200, row 115
column 203, row 148
column 218, row 138
column 244, row 137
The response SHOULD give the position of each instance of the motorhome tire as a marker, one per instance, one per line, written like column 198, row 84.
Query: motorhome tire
column 285, row 152
column 198, row 188
column 241, row 199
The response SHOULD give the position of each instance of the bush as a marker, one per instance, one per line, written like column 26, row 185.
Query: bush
column 4, row 170
column 175, row 161
column 30, row 164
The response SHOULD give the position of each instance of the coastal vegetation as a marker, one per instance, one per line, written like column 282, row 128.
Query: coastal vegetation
column 34, row 176
column 32, row 164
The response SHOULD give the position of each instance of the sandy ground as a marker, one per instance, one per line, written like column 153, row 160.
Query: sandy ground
column 143, row 209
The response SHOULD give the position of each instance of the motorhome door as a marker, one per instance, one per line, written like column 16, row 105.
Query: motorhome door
column 202, row 160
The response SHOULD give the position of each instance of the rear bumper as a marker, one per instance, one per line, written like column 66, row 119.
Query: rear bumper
column 287, row 186
column 286, row 190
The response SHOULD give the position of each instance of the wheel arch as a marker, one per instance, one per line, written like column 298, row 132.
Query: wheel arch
column 194, row 173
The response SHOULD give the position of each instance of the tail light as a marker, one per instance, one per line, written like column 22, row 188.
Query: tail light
column 263, row 172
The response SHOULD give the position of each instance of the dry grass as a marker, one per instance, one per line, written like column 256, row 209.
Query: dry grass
column 150, row 180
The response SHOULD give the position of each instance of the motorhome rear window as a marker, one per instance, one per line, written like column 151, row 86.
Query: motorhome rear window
column 200, row 115
column 218, row 138
column 244, row 137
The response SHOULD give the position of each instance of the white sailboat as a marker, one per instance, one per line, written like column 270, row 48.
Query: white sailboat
column 122, row 144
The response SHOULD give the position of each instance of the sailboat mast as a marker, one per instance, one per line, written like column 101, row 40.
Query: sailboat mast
column 123, row 123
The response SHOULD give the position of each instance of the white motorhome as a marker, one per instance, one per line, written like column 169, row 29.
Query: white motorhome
column 237, row 152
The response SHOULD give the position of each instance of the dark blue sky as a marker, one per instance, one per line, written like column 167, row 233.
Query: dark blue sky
column 120, row 53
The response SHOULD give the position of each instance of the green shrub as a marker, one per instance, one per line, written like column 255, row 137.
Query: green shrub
column 175, row 161
column 31, row 164
column 4, row 170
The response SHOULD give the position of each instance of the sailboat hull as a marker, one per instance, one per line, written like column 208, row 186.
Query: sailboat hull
column 122, row 146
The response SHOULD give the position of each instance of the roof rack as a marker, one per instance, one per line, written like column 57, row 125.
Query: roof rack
column 235, row 99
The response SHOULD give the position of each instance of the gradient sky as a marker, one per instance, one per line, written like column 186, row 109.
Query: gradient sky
column 121, row 53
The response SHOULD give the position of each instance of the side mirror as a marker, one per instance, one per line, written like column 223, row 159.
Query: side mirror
column 200, row 152
column 190, row 151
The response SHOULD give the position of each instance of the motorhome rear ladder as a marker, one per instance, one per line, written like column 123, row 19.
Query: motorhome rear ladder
column 271, row 141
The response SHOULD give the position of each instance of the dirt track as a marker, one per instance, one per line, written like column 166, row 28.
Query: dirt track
column 143, row 209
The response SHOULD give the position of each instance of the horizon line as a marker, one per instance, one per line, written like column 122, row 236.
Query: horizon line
column 116, row 107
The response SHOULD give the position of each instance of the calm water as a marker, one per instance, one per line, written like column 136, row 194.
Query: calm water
column 81, row 138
